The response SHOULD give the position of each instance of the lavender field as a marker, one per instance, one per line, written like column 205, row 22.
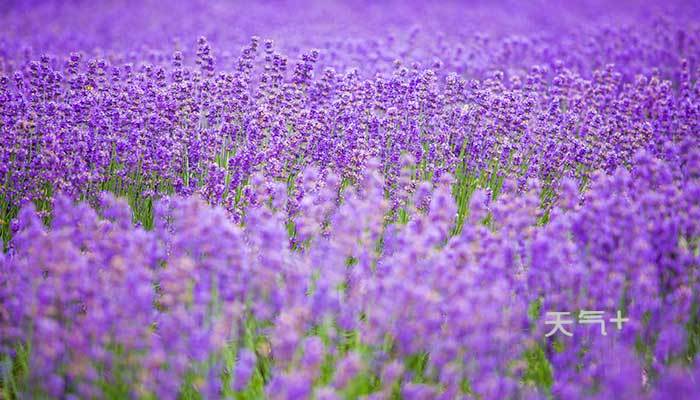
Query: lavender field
column 316, row 200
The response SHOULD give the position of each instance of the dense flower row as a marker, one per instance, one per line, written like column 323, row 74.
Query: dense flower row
column 388, row 215
column 471, row 38
column 447, row 313
column 82, row 126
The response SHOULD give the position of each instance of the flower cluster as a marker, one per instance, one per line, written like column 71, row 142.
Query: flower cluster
column 387, row 214
column 199, row 302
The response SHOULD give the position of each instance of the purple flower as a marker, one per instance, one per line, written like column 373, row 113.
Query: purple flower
column 243, row 371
